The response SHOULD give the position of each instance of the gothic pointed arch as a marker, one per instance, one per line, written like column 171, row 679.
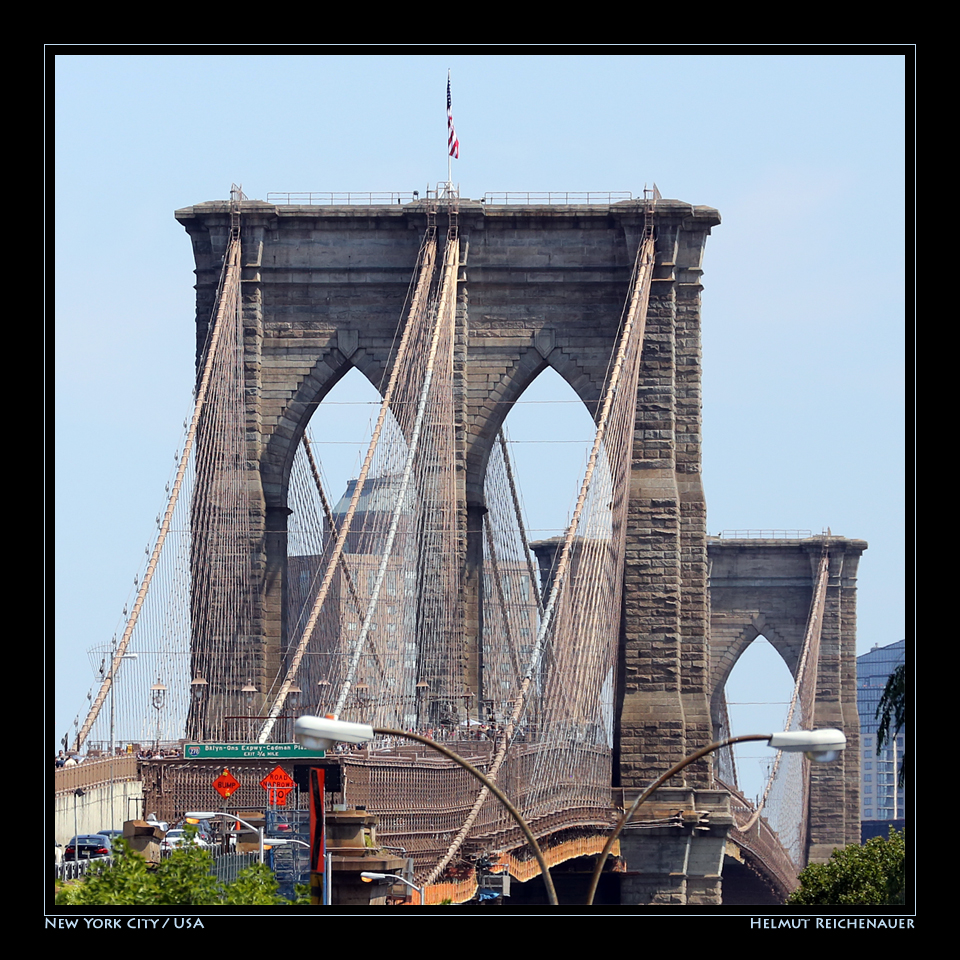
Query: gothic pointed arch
column 323, row 376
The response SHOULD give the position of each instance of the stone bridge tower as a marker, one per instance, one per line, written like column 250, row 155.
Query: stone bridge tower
column 764, row 587
column 323, row 291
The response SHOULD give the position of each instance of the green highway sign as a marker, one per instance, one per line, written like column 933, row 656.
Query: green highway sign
column 248, row 751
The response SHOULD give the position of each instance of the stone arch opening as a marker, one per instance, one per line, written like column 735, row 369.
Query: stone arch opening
column 506, row 391
column 340, row 428
column 550, row 432
column 281, row 448
column 550, row 435
column 758, row 688
column 290, row 566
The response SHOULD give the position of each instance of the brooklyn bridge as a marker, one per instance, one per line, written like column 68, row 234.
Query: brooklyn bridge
column 573, row 671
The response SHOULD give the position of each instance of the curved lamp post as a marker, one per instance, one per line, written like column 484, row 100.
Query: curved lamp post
column 819, row 745
column 367, row 876
column 218, row 815
column 320, row 733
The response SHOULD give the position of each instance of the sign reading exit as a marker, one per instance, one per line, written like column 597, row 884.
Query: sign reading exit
column 248, row 751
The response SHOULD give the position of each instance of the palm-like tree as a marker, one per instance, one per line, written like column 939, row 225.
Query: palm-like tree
column 892, row 714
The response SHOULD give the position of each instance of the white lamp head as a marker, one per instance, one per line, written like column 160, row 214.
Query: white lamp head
column 321, row 733
column 819, row 745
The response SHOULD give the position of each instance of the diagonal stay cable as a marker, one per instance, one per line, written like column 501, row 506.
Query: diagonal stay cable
column 634, row 325
column 424, row 278
column 227, row 297
column 445, row 312
column 808, row 664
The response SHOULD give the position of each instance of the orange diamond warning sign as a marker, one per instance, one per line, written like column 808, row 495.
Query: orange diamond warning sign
column 277, row 779
column 226, row 783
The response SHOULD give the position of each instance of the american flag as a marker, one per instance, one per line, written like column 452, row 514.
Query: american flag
column 453, row 144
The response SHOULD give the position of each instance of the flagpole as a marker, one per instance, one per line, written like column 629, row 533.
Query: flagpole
column 453, row 144
column 449, row 128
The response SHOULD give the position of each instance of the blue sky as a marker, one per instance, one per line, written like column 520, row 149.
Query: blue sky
column 803, row 303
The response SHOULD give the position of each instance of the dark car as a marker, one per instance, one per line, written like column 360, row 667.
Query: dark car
column 87, row 847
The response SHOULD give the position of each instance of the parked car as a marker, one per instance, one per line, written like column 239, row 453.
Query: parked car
column 87, row 847
column 178, row 837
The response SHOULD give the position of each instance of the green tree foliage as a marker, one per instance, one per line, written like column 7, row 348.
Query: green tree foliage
column 255, row 885
column 892, row 714
column 182, row 879
column 871, row 874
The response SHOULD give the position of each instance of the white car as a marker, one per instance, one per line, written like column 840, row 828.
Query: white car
column 179, row 837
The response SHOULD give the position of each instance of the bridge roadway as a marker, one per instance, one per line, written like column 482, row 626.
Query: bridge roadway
column 421, row 799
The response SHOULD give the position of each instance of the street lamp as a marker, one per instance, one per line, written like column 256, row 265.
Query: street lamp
column 287, row 842
column 421, row 690
column 293, row 699
column 79, row 792
column 158, row 693
column 367, row 876
column 819, row 745
column 320, row 733
column 216, row 815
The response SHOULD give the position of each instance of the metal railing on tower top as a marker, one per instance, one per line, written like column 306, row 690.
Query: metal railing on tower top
column 446, row 191
column 561, row 197
column 346, row 198
column 765, row 534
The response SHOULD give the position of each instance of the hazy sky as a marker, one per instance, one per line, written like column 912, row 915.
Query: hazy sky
column 803, row 309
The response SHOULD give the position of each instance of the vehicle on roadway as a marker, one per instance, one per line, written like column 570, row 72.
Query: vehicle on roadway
column 178, row 837
column 111, row 835
column 87, row 847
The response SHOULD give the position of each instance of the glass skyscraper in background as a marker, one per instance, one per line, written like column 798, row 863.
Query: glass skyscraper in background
column 880, row 798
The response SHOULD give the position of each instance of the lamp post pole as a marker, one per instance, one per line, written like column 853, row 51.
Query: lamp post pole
column 322, row 732
column 216, row 815
column 114, row 666
column 158, row 693
column 817, row 744
column 368, row 876
column 495, row 790
column 79, row 792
